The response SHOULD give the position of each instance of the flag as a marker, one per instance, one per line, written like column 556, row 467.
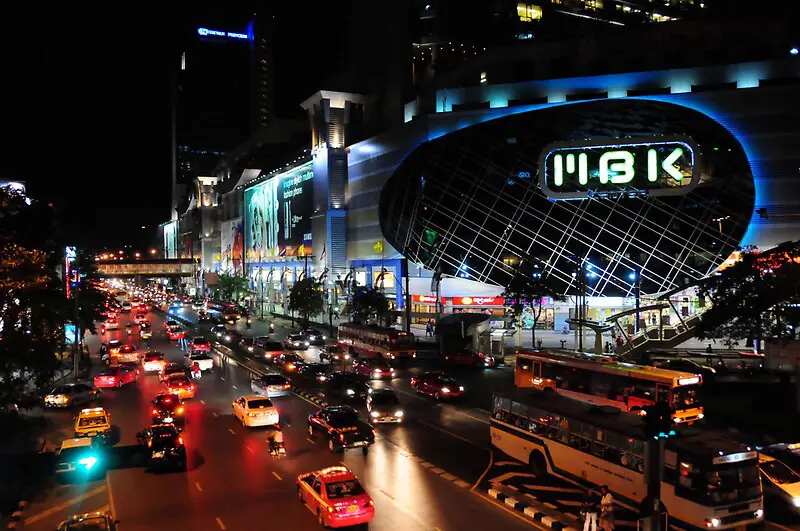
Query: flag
column 324, row 254
column 378, row 247
column 301, row 251
column 283, row 252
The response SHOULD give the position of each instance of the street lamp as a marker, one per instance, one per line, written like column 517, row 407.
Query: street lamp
column 634, row 277
column 137, row 255
column 153, row 252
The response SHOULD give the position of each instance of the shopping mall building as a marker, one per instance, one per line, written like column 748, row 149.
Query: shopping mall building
column 650, row 179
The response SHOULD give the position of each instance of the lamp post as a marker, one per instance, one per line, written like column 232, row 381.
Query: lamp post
column 635, row 278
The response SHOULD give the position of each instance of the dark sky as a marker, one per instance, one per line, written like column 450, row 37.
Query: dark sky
column 84, row 115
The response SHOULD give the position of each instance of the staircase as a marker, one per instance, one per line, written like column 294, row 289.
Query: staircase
column 655, row 337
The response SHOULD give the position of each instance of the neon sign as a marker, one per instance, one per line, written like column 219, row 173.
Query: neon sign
column 205, row 32
column 649, row 166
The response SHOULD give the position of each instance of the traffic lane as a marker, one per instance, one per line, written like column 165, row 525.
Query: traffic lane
column 55, row 504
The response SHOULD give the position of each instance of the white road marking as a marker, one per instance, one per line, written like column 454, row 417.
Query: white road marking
column 508, row 475
column 438, row 471
column 221, row 378
column 232, row 432
column 277, row 476
column 214, row 413
column 310, row 440
column 553, row 489
column 113, row 509
column 233, row 386
column 462, row 484
column 60, row 507
column 220, row 524
column 196, row 484
column 202, row 401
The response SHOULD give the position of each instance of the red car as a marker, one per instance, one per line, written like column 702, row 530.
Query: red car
column 469, row 358
column 116, row 377
column 199, row 344
column 438, row 385
column 336, row 497
column 175, row 333
column 375, row 369
column 179, row 384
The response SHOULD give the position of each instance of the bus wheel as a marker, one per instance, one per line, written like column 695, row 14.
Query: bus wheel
column 538, row 464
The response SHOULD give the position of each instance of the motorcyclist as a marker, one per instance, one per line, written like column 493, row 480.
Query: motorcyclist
column 196, row 370
column 248, row 321
column 128, row 329
column 271, row 327
column 276, row 440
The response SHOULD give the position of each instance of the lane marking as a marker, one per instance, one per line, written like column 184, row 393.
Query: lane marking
column 223, row 379
column 389, row 495
column 552, row 489
column 60, row 507
column 437, row 471
column 214, row 413
column 110, row 496
column 470, row 416
column 202, row 401
column 306, row 399
column 462, row 484
column 232, row 432
column 508, row 475
column 309, row 440
column 448, row 476
column 220, row 524
column 196, row 484
column 426, row 464
column 233, row 386
column 489, row 466
column 476, row 445
column 512, row 512
column 277, row 476
column 250, row 450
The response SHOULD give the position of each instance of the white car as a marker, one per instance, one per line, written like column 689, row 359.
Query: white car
column 254, row 410
column 205, row 361
column 780, row 482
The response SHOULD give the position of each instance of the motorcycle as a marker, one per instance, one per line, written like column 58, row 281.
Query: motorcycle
column 248, row 322
column 196, row 372
column 271, row 327
column 276, row 449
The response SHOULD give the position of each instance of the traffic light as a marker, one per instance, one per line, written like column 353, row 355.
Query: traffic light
column 658, row 421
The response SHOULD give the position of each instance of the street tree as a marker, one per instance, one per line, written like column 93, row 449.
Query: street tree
column 230, row 287
column 528, row 288
column 370, row 305
column 306, row 299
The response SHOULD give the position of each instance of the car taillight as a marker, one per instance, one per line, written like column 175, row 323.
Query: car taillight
column 369, row 504
column 155, row 412
column 341, row 436
column 286, row 386
column 180, row 440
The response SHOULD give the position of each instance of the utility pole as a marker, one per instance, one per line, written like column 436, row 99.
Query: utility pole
column 581, row 302
column 407, row 297
column 638, row 298
column 78, row 343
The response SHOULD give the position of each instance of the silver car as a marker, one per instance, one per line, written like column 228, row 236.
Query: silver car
column 271, row 385
column 70, row 394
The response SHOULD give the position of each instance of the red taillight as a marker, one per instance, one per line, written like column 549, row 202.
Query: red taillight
column 369, row 504
column 180, row 409
column 180, row 440
column 155, row 412
column 286, row 386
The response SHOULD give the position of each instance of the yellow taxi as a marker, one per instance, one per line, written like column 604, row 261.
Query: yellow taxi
column 93, row 422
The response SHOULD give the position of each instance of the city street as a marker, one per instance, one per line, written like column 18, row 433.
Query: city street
column 419, row 473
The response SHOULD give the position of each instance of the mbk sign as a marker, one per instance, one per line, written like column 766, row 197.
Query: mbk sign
column 652, row 167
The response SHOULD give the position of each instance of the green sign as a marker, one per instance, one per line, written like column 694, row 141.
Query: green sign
column 652, row 166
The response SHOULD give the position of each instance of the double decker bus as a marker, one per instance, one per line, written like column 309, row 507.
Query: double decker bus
column 373, row 341
column 709, row 481
column 604, row 381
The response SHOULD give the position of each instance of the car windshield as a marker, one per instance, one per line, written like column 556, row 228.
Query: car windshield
column 88, row 422
column 174, row 329
column 62, row 390
column 380, row 364
column 292, row 357
column 145, row 326
column 447, row 380
column 780, row 473
column 200, row 357
column 274, row 379
column 247, row 341
column 88, row 524
column 165, row 440
column 259, row 403
column 178, row 380
column 686, row 397
column 334, row 349
column 109, row 372
column 384, row 399
column 344, row 489
column 723, row 485
column 344, row 419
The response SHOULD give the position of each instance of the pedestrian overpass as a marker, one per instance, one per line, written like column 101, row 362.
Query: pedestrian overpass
column 158, row 267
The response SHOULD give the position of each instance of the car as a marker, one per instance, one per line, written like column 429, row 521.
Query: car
column 139, row 318
column 179, row 384
column 111, row 348
column 469, row 358
column 93, row 422
column 230, row 337
column 198, row 305
column 170, row 369
column 313, row 336
column 384, row 406
column 341, row 427
column 296, row 342
column 116, row 377
column 437, row 385
column 78, row 458
column 168, row 409
column 112, row 323
column 333, row 353
column 788, row 453
column 163, row 447
column 126, row 307
column 268, row 347
column 96, row 521
column 315, row 372
column 145, row 330
column 289, row 361
column 336, row 497
column 199, row 344
column 375, row 369
column 780, row 482
column 169, row 323
column 347, row 386
column 271, row 385
column 175, row 333
column 256, row 410
column 70, row 394
column 709, row 374
column 154, row 361
column 202, row 359
column 127, row 353
column 248, row 345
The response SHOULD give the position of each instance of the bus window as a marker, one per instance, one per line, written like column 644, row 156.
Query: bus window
column 685, row 397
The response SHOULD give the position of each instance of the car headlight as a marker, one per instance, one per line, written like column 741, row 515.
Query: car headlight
column 322, row 377
column 398, row 413
column 250, row 349
column 460, row 387
column 377, row 372
column 306, row 343
column 445, row 389
column 374, row 414
column 759, row 513
column 350, row 392
column 324, row 338
column 227, row 338
column 714, row 522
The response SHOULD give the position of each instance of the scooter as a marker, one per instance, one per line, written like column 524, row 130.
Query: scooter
column 271, row 327
column 196, row 372
column 248, row 322
column 277, row 449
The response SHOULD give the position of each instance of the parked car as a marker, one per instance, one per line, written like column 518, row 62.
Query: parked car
column 438, row 385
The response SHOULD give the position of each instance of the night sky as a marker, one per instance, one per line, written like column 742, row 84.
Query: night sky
column 85, row 110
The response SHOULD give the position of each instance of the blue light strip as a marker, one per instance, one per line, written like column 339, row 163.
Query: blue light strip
column 206, row 32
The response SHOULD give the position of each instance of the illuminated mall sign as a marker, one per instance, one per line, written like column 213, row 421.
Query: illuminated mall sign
column 651, row 166
column 206, row 32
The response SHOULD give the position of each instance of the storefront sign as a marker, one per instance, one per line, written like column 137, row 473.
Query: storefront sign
column 644, row 166
column 478, row 301
column 424, row 299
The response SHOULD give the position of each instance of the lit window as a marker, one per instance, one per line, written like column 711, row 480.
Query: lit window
column 528, row 12
column 593, row 5
column 484, row 79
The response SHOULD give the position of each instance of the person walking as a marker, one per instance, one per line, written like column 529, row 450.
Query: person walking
column 606, row 509
column 589, row 511
column 429, row 328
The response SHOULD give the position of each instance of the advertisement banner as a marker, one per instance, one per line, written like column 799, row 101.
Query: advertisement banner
column 278, row 215
column 478, row 301
column 171, row 239
column 231, row 245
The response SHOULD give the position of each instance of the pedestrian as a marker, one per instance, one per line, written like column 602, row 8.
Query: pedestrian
column 539, row 343
column 589, row 511
column 429, row 328
column 606, row 509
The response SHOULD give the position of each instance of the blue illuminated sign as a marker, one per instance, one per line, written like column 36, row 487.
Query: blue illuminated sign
column 205, row 32
column 645, row 166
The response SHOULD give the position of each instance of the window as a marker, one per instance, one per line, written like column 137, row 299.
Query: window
column 593, row 5
column 528, row 12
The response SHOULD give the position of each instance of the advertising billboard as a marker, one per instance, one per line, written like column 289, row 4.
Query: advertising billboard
column 278, row 215
column 231, row 247
column 171, row 239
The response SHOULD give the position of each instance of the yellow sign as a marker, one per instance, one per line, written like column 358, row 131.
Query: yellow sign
column 378, row 247
column 301, row 251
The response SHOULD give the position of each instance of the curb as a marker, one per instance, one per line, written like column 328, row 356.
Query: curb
column 528, row 509
column 16, row 516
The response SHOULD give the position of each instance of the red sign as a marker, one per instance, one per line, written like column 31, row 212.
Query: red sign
column 424, row 299
column 478, row 301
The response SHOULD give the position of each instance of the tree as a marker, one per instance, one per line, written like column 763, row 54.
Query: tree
column 306, row 299
column 230, row 287
column 370, row 304
column 529, row 287
column 754, row 298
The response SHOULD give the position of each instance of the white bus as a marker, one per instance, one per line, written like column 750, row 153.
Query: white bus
column 709, row 481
